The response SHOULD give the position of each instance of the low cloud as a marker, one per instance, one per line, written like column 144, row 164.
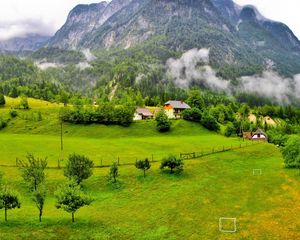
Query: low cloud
column 193, row 68
column 22, row 28
column 88, row 55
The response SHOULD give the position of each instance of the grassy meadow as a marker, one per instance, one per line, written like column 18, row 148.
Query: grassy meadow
column 161, row 206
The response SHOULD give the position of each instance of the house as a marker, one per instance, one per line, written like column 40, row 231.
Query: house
column 142, row 114
column 257, row 135
column 173, row 109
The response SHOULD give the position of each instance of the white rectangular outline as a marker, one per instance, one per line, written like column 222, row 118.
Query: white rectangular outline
column 257, row 170
column 221, row 226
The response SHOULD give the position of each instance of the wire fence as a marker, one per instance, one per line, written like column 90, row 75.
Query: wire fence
column 129, row 160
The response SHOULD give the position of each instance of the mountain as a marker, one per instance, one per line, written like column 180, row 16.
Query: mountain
column 83, row 20
column 30, row 42
column 236, row 36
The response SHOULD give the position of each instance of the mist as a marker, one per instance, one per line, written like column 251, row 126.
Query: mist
column 193, row 68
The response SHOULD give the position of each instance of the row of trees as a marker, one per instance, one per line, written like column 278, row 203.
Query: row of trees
column 69, row 196
column 106, row 113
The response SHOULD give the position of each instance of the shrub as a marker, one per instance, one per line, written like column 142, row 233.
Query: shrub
column 3, row 123
column 24, row 103
column 2, row 100
column 163, row 124
column 229, row 130
column 192, row 114
column 209, row 122
column 13, row 113
column 173, row 163
column 291, row 152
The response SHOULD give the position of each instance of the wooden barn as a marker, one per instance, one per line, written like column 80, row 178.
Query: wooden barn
column 142, row 114
column 257, row 135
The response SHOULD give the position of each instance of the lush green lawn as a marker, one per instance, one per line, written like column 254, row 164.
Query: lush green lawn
column 173, row 207
column 26, row 133
column 162, row 206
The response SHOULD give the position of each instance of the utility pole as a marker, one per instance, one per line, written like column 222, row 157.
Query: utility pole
column 61, row 145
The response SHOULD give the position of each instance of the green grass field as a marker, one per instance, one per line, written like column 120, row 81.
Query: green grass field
column 162, row 206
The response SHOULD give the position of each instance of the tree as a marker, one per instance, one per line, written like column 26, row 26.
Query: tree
column 291, row 152
column 9, row 200
column 244, row 111
column 209, row 122
column 229, row 130
column 113, row 172
column 33, row 171
column 64, row 98
column 163, row 124
column 192, row 114
column 70, row 198
column 143, row 165
column 2, row 100
column 195, row 99
column 24, row 103
column 38, row 197
column 79, row 168
column 173, row 163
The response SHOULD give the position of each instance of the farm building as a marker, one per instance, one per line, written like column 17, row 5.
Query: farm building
column 257, row 135
column 174, row 108
column 142, row 114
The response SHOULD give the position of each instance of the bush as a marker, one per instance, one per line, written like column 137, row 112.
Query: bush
column 163, row 124
column 172, row 163
column 24, row 103
column 13, row 113
column 3, row 123
column 209, row 122
column 291, row 152
column 2, row 100
column 229, row 130
column 192, row 114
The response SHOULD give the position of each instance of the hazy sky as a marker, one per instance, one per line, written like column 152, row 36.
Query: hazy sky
column 18, row 17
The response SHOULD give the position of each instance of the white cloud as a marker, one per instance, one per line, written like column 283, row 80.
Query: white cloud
column 193, row 67
column 19, row 17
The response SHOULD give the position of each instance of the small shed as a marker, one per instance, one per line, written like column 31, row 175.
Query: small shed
column 257, row 135
column 142, row 114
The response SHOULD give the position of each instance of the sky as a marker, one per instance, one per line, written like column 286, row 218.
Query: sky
column 19, row 17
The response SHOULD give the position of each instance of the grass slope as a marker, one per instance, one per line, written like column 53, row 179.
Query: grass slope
column 27, row 133
column 161, row 206
column 173, row 207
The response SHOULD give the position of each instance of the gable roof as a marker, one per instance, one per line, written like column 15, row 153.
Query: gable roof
column 177, row 104
column 144, row 111
column 259, row 131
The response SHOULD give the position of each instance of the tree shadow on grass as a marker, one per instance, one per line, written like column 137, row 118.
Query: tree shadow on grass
column 175, row 175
